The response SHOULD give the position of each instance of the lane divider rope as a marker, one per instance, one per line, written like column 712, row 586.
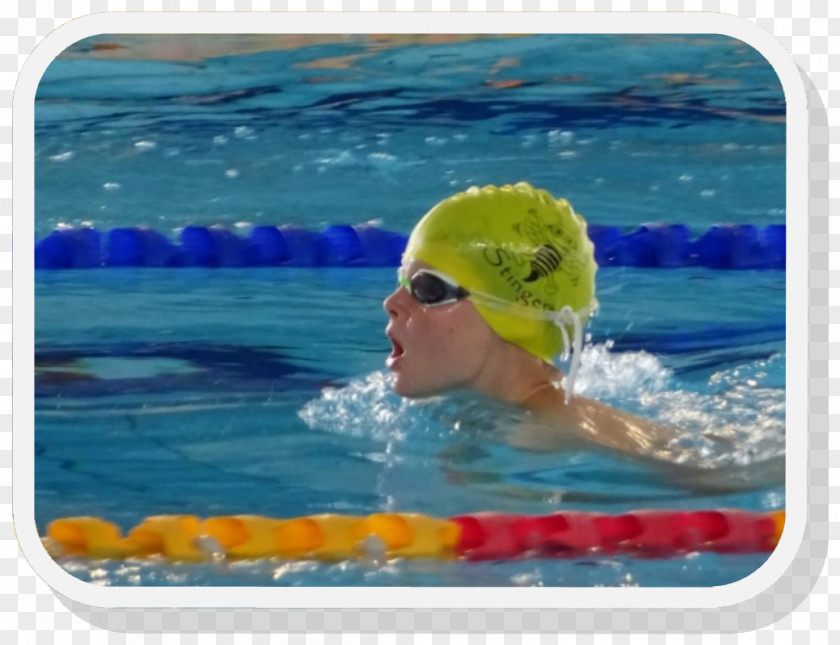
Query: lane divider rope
column 730, row 246
column 478, row 536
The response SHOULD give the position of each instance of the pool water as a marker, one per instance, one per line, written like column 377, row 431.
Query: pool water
column 264, row 390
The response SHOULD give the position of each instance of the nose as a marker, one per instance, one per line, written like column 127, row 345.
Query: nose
column 394, row 305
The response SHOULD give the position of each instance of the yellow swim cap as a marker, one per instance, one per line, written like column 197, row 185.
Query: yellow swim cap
column 521, row 245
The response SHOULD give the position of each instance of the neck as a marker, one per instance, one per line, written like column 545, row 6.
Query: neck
column 512, row 375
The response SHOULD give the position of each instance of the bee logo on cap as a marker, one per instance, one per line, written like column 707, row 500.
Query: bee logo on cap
column 546, row 261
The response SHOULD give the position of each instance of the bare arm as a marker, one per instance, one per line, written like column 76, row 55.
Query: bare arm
column 557, row 426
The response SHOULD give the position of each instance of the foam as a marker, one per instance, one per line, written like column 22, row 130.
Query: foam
column 738, row 419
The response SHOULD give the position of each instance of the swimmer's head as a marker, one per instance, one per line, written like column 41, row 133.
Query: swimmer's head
column 524, row 254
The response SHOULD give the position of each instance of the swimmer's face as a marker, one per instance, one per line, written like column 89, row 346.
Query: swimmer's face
column 434, row 348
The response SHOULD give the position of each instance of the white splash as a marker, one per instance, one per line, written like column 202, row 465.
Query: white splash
column 737, row 417
column 63, row 156
column 366, row 407
column 620, row 376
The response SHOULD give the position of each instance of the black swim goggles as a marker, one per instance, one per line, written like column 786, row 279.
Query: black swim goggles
column 432, row 288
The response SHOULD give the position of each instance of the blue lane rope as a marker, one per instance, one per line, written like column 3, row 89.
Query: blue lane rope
column 729, row 246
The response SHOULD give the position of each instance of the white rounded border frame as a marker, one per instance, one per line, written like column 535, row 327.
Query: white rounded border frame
column 409, row 23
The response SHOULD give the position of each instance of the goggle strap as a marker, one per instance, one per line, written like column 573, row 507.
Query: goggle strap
column 563, row 317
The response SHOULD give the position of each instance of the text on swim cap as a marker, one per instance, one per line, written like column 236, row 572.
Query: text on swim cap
column 501, row 261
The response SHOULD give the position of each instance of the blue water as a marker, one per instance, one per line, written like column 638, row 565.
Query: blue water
column 263, row 390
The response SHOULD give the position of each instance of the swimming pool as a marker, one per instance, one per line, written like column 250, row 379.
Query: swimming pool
column 263, row 390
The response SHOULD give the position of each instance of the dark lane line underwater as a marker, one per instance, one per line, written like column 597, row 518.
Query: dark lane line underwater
column 208, row 367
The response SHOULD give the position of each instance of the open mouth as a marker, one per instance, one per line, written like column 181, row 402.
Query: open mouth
column 396, row 351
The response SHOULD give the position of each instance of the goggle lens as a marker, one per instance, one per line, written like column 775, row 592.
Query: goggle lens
column 429, row 289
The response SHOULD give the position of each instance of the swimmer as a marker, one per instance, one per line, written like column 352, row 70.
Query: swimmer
column 495, row 283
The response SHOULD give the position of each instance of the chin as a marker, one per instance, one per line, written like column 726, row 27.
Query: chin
column 413, row 391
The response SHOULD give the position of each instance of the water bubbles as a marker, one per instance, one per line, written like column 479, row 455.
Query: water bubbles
column 231, row 173
column 628, row 581
column 220, row 140
column 378, row 157
column 63, row 156
column 342, row 158
column 368, row 407
column 773, row 500
column 99, row 577
column 293, row 568
column 111, row 186
column 708, row 192
column 145, row 145
column 365, row 407
column 685, row 177
column 567, row 154
column 563, row 137
column 243, row 132
column 527, row 579
column 436, row 141
column 619, row 376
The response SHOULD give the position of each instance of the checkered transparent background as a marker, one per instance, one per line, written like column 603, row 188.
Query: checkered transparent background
column 803, row 605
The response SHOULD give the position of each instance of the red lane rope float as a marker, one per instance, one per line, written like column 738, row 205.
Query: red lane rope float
column 478, row 536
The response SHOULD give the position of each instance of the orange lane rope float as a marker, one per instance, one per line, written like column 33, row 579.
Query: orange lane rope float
column 479, row 536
